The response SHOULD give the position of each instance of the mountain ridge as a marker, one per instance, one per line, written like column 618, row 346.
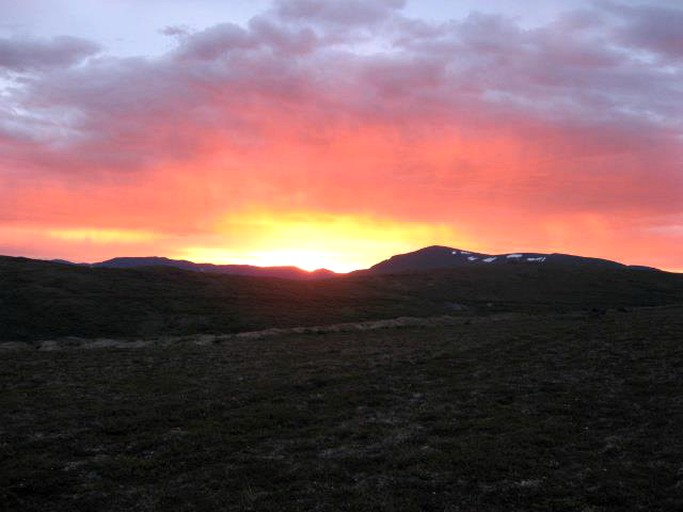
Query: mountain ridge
column 46, row 300
column 427, row 258
column 438, row 256
column 283, row 272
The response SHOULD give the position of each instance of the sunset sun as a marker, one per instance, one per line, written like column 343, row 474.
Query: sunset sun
column 315, row 240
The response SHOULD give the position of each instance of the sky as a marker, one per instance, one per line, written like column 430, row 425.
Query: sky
column 336, row 133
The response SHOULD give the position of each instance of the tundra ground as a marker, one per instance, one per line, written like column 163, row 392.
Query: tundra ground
column 563, row 412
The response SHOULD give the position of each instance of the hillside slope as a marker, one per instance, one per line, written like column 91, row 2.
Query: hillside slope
column 42, row 300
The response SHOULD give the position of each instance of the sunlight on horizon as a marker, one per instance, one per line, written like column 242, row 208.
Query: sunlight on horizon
column 315, row 240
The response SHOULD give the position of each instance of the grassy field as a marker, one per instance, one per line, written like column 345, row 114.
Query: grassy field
column 546, row 411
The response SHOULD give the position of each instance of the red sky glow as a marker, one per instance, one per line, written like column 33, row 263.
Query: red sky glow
column 325, row 134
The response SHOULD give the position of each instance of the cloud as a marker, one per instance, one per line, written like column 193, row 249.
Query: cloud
column 477, row 122
column 22, row 54
column 654, row 28
column 337, row 12
column 176, row 30
column 215, row 41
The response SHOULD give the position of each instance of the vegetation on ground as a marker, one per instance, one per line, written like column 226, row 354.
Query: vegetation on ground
column 522, row 412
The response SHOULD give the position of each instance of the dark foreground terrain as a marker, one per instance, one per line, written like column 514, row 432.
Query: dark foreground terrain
column 41, row 300
column 517, row 412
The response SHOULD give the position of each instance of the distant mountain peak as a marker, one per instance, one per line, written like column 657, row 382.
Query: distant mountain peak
column 426, row 258
column 438, row 256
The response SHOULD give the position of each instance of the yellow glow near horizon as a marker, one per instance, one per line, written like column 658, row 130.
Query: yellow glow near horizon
column 311, row 240
column 304, row 259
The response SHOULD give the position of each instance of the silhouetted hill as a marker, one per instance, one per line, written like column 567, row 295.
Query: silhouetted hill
column 42, row 300
column 427, row 258
column 239, row 270
column 448, row 257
